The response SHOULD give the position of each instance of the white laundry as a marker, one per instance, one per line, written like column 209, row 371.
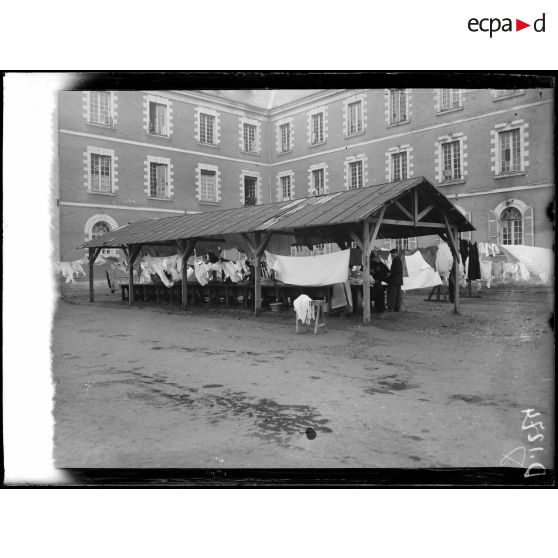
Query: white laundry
column 316, row 271
column 202, row 272
column 231, row 272
column 155, row 266
column 304, row 309
column 444, row 259
column 539, row 261
column 486, row 272
column 342, row 295
column 421, row 274
column 69, row 269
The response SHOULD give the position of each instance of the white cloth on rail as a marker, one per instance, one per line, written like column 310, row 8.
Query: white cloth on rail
column 69, row 269
column 537, row 260
column 304, row 309
column 201, row 271
column 421, row 274
column 311, row 271
column 342, row 295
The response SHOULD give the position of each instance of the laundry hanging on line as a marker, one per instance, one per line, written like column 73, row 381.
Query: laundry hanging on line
column 310, row 271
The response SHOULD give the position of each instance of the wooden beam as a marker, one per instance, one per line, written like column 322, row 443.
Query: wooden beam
column 455, row 250
column 375, row 231
column 404, row 209
column 257, row 276
column 93, row 253
column 366, row 272
column 248, row 241
column 424, row 212
column 185, row 249
column 133, row 252
column 355, row 238
column 410, row 223
column 415, row 206
column 263, row 243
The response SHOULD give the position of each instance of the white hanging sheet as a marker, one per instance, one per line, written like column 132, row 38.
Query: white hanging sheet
column 311, row 271
column 537, row 260
column 421, row 275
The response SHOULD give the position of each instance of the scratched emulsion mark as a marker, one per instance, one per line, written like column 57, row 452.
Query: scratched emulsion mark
column 274, row 422
column 518, row 456
column 390, row 384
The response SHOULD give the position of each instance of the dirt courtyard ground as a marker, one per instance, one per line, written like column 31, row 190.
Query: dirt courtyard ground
column 149, row 386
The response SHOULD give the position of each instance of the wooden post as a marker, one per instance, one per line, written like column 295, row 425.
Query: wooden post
column 452, row 236
column 257, row 277
column 133, row 252
column 185, row 249
column 93, row 253
column 365, row 272
column 367, row 245
column 456, row 279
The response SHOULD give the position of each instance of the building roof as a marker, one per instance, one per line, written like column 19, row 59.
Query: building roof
column 265, row 99
column 331, row 216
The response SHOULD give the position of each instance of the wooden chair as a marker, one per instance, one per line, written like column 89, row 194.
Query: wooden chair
column 320, row 321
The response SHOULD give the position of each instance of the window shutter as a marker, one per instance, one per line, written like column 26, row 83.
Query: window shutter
column 528, row 227
column 413, row 243
column 493, row 227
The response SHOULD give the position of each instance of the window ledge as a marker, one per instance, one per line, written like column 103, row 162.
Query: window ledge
column 207, row 202
column 452, row 182
column 317, row 144
column 510, row 174
column 101, row 193
column 250, row 152
column 395, row 124
column 504, row 97
column 99, row 125
column 206, row 144
column 356, row 134
column 442, row 112
column 152, row 135
column 159, row 198
column 284, row 152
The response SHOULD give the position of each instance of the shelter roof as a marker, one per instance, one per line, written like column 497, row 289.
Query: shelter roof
column 332, row 215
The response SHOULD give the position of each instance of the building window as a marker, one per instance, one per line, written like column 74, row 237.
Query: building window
column 286, row 187
column 505, row 93
column 101, row 173
column 399, row 166
column 450, row 99
column 317, row 128
column 208, row 185
column 158, row 180
column 98, row 225
column 355, row 174
column 249, row 135
column 250, row 190
column 207, row 128
column 451, row 161
column 100, row 107
column 285, row 133
column 510, row 151
column 512, row 226
column 397, row 106
column 401, row 243
column 318, row 181
column 354, row 120
column 99, row 229
column 158, row 118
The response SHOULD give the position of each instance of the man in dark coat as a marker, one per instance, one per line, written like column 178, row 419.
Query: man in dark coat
column 380, row 272
column 395, row 281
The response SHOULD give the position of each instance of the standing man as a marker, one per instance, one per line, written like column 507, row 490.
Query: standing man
column 380, row 273
column 395, row 281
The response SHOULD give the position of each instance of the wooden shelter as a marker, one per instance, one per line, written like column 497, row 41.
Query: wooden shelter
column 412, row 207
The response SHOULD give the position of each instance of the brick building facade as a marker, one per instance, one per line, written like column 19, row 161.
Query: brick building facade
column 133, row 155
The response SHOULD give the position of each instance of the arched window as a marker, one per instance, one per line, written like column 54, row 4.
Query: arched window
column 97, row 225
column 99, row 229
column 512, row 226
